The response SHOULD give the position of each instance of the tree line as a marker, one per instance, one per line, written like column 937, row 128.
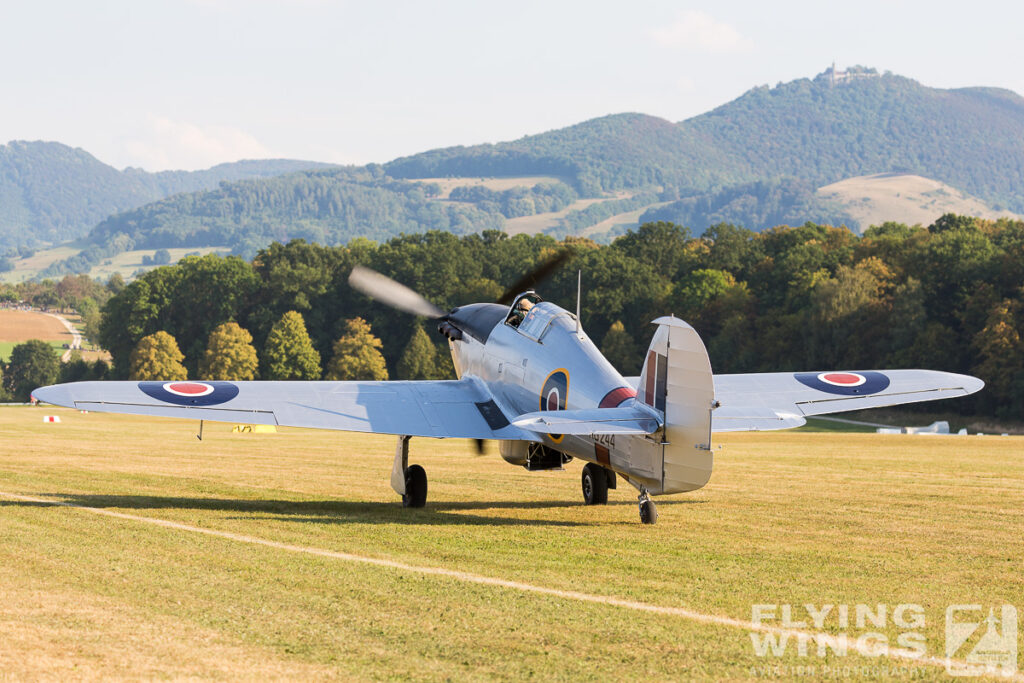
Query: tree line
column 947, row 296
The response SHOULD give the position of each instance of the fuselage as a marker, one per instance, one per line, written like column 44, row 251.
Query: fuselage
column 544, row 363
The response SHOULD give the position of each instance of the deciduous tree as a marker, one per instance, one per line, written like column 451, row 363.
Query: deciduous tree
column 620, row 349
column 157, row 357
column 289, row 353
column 229, row 354
column 420, row 358
column 357, row 354
column 33, row 364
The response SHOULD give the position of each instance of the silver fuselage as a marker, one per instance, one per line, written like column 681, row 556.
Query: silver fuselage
column 524, row 368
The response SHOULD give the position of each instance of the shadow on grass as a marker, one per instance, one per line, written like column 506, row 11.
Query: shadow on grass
column 337, row 511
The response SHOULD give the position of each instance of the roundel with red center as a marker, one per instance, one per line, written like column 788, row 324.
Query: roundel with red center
column 190, row 393
column 845, row 383
column 554, row 394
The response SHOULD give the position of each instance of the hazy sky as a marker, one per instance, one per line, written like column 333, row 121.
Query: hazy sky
column 190, row 83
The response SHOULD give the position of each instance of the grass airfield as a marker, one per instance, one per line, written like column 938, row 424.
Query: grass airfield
column 788, row 517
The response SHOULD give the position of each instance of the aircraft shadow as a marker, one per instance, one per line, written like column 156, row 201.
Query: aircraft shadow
column 337, row 511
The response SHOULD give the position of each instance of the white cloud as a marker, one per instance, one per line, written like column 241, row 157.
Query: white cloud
column 700, row 32
column 168, row 144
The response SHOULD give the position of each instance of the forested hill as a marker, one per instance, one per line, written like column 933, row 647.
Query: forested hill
column 757, row 161
column 50, row 192
column 610, row 153
column 808, row 129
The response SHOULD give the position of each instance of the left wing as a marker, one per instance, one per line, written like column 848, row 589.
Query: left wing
column 780, row 400
column 443, row 409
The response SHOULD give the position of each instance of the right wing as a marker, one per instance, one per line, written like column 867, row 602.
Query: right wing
column 442, row 409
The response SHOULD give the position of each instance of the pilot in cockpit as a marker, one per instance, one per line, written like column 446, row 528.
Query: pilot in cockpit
column 520, row 310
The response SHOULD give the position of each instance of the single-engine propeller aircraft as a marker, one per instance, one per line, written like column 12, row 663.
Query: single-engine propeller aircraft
column 531, row 379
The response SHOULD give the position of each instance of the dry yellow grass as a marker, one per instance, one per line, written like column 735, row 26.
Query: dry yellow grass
column 540, row 222
column 787, row 518
column 904, row 198
column 125, row 263
column 496, row 184
column 19, row 326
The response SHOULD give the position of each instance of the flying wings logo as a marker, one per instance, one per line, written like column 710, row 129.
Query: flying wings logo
column 844, row 383
column 190, row 393
column 554, row 394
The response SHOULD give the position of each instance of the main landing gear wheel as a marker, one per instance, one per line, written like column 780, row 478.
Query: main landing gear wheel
column 648, row 510
column 415, row 487
column 595, row 485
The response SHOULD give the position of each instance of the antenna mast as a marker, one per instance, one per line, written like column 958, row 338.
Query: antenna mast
column 579, row 295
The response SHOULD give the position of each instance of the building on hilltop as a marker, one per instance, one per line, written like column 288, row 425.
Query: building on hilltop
column 834, row 76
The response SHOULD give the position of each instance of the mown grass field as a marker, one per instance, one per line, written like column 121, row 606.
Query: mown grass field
column 787, row 518
column 20, row 326
column 126, row 263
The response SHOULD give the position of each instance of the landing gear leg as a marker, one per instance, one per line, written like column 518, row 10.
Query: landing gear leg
column 648, row 511
column 408, row 481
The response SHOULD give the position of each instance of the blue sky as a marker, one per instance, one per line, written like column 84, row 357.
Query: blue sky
column 189, row 83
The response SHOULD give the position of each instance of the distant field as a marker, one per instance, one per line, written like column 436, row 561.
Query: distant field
column 125, row 263
column 904, row 198
column 531, row 225
column 496, row 184
column 264, row 576
column 18, row 326
column 627, row 218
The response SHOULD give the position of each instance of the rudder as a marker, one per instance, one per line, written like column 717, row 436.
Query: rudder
column 677, row 381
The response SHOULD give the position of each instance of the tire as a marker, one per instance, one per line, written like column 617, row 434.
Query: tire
column 595, row 485
column 415, row 487
column 648, row 512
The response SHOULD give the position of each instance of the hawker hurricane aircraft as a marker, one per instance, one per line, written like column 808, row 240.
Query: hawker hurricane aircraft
column 531, row 379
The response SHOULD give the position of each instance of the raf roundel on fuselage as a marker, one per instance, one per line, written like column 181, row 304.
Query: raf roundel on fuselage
column 190, row 393
column 845, row 383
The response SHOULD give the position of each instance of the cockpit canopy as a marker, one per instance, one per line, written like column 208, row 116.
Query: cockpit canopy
column 521, row 307
column 532, row 316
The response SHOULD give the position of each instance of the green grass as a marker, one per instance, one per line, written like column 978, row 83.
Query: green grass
column 7, row 347
column 787, row 518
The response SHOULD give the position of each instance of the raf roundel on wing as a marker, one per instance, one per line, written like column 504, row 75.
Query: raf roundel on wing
column 190, row 393
column 845, row 383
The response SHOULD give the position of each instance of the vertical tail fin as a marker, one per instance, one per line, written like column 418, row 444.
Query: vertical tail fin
column 677, row 381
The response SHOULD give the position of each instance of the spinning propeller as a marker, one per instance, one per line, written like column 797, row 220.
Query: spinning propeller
column 396, row 295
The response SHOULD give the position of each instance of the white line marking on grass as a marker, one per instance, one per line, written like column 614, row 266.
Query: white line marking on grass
column 834, row 642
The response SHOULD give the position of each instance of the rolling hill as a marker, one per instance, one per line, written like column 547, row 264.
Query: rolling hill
column 51, row 193
column 807, row 129
column 783, row 154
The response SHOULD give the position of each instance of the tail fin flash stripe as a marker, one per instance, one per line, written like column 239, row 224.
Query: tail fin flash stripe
column 648, row 395
column 660, row 387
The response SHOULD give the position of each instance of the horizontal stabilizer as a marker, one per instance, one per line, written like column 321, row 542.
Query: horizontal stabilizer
column 625, row 420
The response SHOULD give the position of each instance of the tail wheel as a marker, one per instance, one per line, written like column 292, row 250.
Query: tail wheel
column 595, row 485
column 648, row 511
column 415, row 487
